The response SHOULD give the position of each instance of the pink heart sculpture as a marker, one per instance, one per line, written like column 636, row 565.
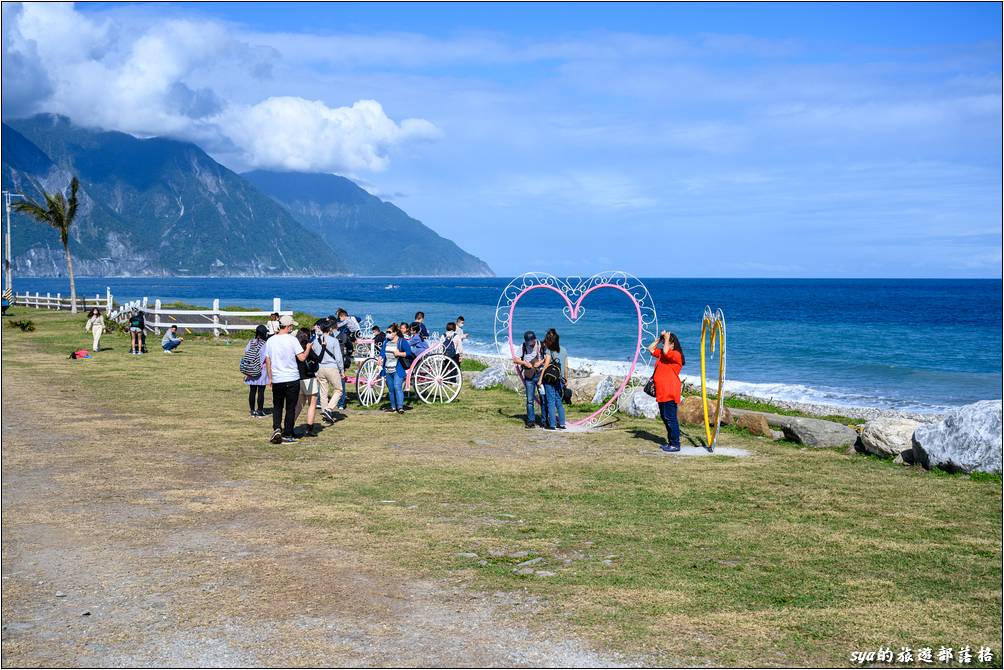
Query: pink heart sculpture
column 647, row 320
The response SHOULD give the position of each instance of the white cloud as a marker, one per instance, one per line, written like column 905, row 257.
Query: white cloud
column 167, row 77
column 296, row 134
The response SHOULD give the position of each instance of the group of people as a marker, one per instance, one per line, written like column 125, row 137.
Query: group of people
column 95, row 325
column 543, row 367
column 306, row 369
column 402, row 342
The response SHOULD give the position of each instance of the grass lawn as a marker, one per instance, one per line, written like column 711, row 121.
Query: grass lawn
column 791, row 556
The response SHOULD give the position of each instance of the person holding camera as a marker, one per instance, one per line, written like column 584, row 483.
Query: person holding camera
column 528, row 367
column 669, row 359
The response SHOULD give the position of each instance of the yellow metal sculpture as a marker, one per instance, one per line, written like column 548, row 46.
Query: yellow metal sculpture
column 713, row 328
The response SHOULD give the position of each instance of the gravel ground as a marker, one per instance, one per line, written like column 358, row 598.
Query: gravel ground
column 141, row 552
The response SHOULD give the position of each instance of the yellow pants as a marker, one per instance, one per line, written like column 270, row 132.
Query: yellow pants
column 330, row 377
column 96, row 331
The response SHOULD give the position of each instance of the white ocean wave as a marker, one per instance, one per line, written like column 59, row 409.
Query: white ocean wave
column 768, row 391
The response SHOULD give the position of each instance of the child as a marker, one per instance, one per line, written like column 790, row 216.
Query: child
column 415, row 339
column 378, row 337
column 420, row 320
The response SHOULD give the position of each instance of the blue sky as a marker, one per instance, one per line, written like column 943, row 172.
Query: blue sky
column 831, row 140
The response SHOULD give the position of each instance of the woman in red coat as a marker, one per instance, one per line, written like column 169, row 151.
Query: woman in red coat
column 668, row 360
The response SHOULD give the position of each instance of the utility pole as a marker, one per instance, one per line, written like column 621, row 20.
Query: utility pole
column 8, row 278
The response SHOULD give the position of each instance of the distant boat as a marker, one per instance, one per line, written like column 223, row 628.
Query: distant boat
column 390, row 286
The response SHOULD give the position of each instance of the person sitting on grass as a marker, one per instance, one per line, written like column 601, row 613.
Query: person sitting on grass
column 171, row 341
column 669, row 360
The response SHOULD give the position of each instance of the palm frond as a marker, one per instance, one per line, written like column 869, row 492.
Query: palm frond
column 71, row 209
column 32, row 209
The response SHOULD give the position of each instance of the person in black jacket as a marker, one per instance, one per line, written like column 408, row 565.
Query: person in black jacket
column 137, row 329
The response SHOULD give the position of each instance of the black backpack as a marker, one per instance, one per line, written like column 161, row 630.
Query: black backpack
column 552, row 375
column 312, row 363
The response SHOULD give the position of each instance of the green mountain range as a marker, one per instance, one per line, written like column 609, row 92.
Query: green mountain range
column 356, row 225
column 159, row 206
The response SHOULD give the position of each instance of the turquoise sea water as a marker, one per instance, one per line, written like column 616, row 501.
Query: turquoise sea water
column 920, row 345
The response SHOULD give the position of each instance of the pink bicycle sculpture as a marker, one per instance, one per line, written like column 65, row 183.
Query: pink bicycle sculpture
column 433, row 376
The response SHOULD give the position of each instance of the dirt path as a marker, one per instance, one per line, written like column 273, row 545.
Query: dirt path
column 136, row 551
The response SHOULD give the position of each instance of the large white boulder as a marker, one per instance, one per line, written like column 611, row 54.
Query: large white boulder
column 968, row 440
column 604, row 390
column 490, row 377
column 888, row 436
column 636, row 402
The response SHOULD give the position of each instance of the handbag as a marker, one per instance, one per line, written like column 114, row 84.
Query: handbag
column 650, row 386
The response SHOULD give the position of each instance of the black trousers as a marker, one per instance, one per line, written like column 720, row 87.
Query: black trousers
column 284, row 396
column 256, row 393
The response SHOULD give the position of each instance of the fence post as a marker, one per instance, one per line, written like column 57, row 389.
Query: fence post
column 216, row 317
column 48, row 300
column 59, row 301
column 156, row 318
column 108, row 293
column 276, row 305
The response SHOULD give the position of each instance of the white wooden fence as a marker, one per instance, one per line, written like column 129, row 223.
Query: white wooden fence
column 214, row 319
column 156, row 318
column 49, row 301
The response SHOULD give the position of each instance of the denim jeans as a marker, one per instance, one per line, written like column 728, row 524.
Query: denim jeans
column 555, row 408
column 395, row 389
column 530, row 386
column 667, row 410
column 171, row 344
column 343, row 399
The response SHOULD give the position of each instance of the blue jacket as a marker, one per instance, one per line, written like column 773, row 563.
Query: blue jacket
column 402, row 345
column 417, row 344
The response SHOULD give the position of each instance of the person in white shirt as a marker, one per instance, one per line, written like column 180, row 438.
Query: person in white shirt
column 282, row 350
column 95, row 324
column 459, row 338
column 273, row 324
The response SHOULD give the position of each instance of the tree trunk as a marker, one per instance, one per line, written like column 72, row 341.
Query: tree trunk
column 73, row 284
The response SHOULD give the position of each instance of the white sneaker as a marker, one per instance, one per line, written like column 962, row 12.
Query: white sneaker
column 168, row 351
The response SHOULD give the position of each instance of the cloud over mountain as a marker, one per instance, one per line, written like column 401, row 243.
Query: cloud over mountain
column 164, row 78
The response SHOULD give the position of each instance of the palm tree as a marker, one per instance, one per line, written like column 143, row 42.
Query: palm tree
column 58, row 213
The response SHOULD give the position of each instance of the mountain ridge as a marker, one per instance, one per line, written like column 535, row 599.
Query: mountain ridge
column 164, row 207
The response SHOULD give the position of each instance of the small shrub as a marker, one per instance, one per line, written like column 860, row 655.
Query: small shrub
column 26, row 325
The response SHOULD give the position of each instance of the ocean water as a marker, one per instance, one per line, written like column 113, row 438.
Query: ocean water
column 920, row 345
